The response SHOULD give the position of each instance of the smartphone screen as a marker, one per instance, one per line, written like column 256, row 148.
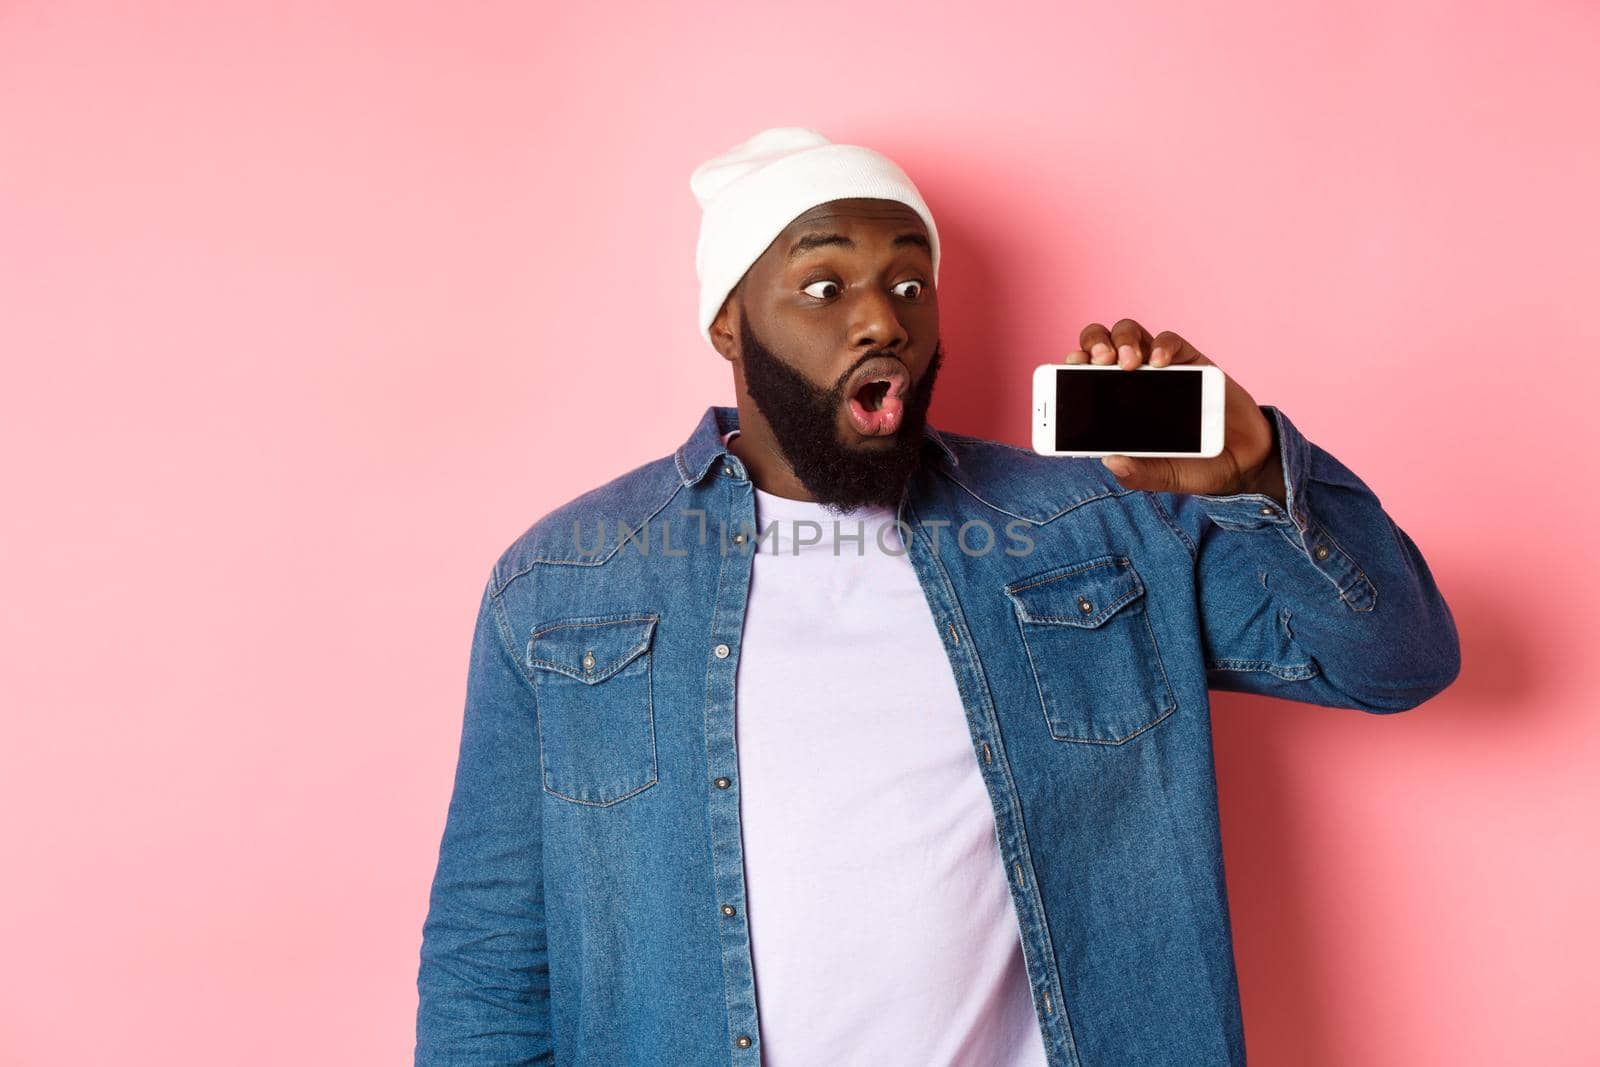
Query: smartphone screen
column 1128, row 411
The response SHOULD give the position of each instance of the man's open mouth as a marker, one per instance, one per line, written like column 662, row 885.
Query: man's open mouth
column 876, row 395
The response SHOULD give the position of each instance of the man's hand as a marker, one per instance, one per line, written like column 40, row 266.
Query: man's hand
column 1249, row 460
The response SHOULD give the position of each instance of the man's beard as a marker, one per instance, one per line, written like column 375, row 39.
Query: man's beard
column 805, row 422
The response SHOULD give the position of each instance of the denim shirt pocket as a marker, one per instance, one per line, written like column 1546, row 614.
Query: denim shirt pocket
column 1092, row 650
column 592, row 680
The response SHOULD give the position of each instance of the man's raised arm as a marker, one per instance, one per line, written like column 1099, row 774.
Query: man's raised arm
column 1317, row 595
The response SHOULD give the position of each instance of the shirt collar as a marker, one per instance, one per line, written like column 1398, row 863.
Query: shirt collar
column 704, row 446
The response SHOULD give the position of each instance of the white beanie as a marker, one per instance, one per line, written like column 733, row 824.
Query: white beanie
column 756, row 188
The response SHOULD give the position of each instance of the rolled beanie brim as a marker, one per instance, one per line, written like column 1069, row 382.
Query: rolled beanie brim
column 745, row 215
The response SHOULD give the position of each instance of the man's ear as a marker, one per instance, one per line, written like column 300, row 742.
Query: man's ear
column 724, row 329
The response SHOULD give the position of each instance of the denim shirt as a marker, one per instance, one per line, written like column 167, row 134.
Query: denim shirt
column 589, row 901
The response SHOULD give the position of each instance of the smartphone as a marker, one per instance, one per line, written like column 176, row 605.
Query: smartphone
column 1087, row 409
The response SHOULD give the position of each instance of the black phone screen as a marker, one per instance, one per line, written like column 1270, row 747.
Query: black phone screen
column 1128, row 410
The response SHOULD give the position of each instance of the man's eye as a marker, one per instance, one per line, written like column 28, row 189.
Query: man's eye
column 820, row 289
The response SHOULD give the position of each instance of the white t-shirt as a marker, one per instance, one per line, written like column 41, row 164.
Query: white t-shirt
column 881, row 924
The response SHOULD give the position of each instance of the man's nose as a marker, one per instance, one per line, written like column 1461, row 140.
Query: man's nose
column 875, row 321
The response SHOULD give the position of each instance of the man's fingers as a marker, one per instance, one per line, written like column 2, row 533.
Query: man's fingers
column 1168, row 348
column 1129, row 345
column 1077, row 355
column 1132, row 343
column 1095, row 339
column 1155, row 474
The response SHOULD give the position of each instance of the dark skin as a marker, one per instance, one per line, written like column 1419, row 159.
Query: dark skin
column 823, row 308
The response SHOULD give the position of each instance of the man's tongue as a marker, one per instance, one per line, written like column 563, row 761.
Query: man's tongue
column 878, row 421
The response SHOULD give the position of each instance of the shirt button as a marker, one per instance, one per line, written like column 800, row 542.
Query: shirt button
column 1266, row 509
column 726, row 469
column 738, row 538
column 721, row 651
column 1085, row 605
column 1321, row 552
column 723, row 783
column 743, row 1041
column 588, row 661
column 728, row 909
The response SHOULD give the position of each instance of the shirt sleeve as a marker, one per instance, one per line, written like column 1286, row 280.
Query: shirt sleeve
column 483, row 984
column 1322, row 599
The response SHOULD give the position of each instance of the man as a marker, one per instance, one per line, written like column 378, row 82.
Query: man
column 832, row 738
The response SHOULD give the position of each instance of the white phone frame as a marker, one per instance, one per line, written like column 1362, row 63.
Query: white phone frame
column 1212, row 391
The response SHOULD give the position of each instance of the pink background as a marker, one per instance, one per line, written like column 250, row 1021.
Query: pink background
column 307, row 310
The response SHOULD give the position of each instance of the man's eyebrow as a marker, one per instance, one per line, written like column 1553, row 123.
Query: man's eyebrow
column 812, row 241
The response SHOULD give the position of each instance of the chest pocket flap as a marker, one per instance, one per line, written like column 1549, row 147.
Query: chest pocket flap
column 1082, row 594
column 591, row 650
column 1092, row 649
